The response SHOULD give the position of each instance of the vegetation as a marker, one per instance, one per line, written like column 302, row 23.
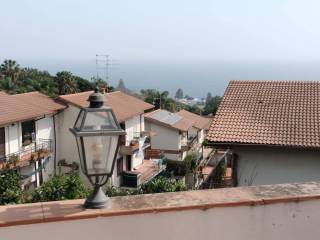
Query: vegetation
column 163, row 101
column 181, row 168
column 10, row 187
column 14, row 79
column 156, row 185
column 212, row 104
column 179, row 94
column 163, row 184
column 190, row 162
column 112, row 191
column 62, row 187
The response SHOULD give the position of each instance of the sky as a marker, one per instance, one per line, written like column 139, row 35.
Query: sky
column 57, row 33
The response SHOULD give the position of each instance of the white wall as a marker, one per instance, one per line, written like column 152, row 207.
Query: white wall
column 258, row 166
column 291, row 220
column 165, row 138
column 66, row 142
column 44, row 128
column 132, row 128
column 13, row 138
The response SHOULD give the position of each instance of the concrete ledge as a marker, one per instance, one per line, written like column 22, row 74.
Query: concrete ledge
column 23, row 214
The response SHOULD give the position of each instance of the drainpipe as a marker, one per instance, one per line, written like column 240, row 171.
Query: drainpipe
column 55, row 145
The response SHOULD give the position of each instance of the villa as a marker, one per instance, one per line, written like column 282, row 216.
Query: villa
column 28, row 136
column 176, row 134
column 272, row 129
column 132, row 166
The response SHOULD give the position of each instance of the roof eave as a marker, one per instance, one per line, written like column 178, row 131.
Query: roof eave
column 238, row 144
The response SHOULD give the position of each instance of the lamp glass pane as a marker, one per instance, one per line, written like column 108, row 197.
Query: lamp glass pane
column 100, row 152
column 99, row 120
column 77, row 125
column 81, row 156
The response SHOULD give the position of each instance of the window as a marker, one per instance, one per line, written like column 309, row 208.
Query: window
column 28, row 132
column 119, row 166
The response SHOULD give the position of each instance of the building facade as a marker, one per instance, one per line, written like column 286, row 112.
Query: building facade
column 130, row 114
column 272, row 129
column 27, row 136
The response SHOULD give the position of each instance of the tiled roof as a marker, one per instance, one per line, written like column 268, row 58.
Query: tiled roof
column 20, row 107
column 199, row 121
column 124, row 106
column 284, row 113
column 171, row 120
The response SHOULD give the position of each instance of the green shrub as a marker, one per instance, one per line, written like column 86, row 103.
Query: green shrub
column 163, row 184
column 177, row 167
column 10, row 187
column 62, row 187
column 112, row 191
column 190, row 162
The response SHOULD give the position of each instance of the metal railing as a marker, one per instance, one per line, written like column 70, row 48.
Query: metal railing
column 34, row 151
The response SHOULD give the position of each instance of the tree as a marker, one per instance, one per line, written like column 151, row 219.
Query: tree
column 179, row 94
column 159, row 99
column 65, row 82
column 208, row 98
column 212, row 106
column 9, row 68
column 83, row 84
column 10, row 187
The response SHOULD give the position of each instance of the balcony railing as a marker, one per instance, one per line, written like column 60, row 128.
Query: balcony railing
column 26, row 155
column 147, row 171
column 186, row 145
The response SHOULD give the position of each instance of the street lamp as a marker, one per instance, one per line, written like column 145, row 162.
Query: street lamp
column 97, row 134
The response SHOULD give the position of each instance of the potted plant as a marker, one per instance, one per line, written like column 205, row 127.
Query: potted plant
column 14, row 159
column 34, row 156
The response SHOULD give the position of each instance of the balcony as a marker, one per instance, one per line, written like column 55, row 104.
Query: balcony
column 144, row 173
column 37, row 150
column 134, row 146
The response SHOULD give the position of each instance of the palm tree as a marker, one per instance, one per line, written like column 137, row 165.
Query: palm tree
column 65, row 82
column 10, row 68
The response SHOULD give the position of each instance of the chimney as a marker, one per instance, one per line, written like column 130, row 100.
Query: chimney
column 103, row 90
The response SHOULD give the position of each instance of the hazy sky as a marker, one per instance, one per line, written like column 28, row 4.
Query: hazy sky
column 162, row 30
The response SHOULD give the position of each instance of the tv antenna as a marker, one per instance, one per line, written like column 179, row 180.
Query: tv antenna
column 102, row 67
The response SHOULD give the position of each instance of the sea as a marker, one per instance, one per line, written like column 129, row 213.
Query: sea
column 195, row 78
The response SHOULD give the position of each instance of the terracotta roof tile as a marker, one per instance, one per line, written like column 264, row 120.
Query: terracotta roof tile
column 199, row 121
column 20, row 107
column 284, row 113
column 124, row 106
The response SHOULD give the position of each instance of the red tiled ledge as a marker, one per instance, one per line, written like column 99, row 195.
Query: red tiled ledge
column 22, row 214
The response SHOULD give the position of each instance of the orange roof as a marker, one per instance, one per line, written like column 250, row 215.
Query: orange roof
column 199, row 121
column 168, row 119
column 124, row 106
column 283, row 113
column 21, row 107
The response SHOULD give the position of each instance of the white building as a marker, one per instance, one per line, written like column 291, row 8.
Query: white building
column 272, row 128
column 176, row 134
column 130, row 114
column 27, row 135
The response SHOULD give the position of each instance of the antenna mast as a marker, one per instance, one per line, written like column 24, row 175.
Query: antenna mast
column 102, row 67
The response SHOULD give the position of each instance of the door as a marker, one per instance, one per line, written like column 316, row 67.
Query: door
column 2, row 143
column 129, row 158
